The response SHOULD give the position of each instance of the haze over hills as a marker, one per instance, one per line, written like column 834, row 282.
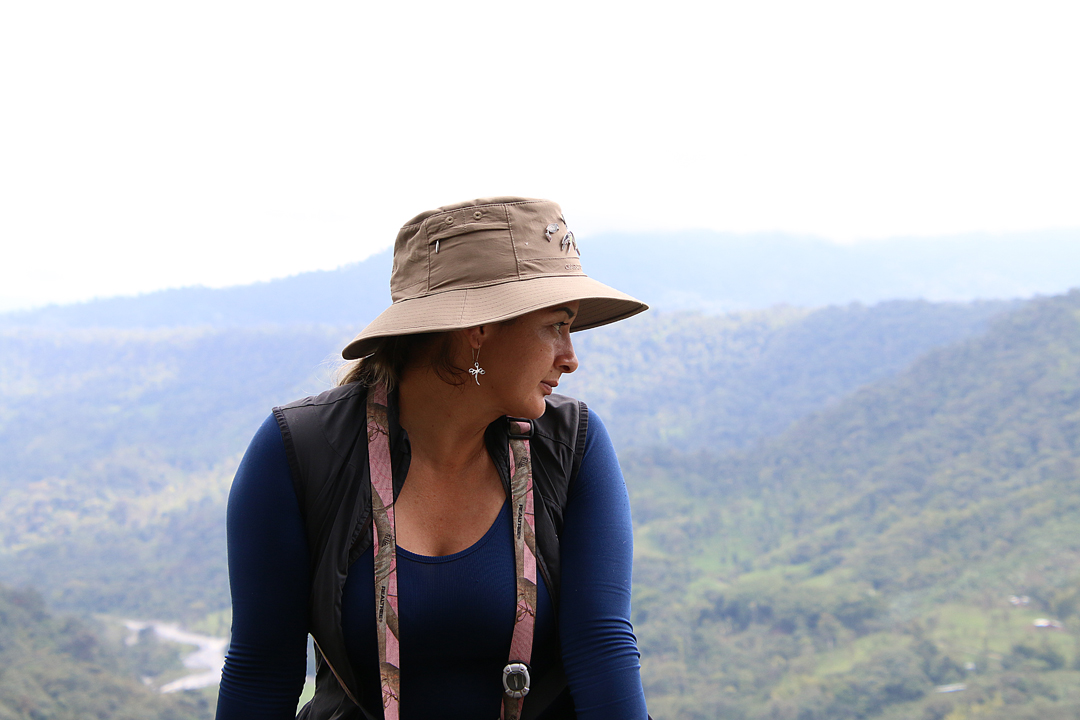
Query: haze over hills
column 706, row 271
column 722, row 273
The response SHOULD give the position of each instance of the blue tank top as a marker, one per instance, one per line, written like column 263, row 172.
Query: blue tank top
column 457, row 619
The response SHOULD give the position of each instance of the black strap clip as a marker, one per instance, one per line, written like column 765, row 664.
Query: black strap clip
column 520, row 429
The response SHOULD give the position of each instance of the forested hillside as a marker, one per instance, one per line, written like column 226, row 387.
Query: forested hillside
column 63, row 669
column 719, row 381
column 832, row 507
column 119, row 450
column 121, row 444
column 869, row 553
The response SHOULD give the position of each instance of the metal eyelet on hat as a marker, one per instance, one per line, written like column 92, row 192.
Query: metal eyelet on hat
column 516, row 680
column 478, row 214
column 449, row 221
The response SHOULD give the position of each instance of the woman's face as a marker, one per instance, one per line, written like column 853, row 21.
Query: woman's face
column 524, row 359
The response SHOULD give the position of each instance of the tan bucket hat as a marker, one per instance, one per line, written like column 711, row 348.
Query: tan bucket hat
column 487, row 261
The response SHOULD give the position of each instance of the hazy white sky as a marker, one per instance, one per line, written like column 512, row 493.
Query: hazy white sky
column 152, row 144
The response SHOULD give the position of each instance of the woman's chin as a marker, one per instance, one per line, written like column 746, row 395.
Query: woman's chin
column 533, row 409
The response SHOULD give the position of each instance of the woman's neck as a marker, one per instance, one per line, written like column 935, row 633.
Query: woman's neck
column 445, row 424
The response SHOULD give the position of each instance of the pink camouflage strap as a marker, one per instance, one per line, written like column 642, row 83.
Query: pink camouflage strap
column 516, row 673
column 515, row 677
column 385, row 535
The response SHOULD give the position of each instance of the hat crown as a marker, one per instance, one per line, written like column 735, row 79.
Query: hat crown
column 480, row 243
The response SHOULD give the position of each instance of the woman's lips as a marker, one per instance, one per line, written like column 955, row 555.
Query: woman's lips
column 549, row 386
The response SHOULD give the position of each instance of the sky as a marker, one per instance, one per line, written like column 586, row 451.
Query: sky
column 146, row 145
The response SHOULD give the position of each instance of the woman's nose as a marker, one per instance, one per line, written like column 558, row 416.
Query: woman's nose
column 567, row 361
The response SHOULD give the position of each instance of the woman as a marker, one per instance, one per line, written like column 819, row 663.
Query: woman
column 397, row 517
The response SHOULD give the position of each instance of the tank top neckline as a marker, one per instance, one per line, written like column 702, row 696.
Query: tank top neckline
column 404, row 554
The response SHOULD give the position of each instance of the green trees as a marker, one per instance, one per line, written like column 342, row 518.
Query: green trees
column 850, row 565
column 61, row 669
column 832, row 508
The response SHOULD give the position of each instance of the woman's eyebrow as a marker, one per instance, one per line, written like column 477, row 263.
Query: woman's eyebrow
column 569, row 313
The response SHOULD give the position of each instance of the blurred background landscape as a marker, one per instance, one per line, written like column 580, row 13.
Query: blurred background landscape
column 853, row 472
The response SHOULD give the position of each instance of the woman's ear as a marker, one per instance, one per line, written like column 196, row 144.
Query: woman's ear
column 476, row 336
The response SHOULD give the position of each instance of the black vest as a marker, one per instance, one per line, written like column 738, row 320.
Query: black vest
column 326, row 443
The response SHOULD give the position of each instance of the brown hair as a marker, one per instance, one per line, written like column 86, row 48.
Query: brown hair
column 393, row 354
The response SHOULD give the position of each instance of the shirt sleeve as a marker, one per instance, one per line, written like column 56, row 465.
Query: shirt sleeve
column 600, row 652
column 268, row 577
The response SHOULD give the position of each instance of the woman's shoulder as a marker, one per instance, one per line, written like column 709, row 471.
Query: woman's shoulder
column 333, row 396
column 562, row 419
column 333, row 417
column 571, row 422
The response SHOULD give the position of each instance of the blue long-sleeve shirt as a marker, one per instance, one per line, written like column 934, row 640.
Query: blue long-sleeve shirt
column 456, row 611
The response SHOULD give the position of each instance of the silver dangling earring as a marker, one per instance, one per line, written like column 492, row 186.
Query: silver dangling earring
column 476, row 371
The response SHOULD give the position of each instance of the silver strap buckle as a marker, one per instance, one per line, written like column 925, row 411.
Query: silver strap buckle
column 516, row 680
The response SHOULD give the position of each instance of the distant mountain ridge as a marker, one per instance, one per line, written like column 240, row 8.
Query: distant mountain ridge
column 723, row 273
column 335, row 297
column 702, row 270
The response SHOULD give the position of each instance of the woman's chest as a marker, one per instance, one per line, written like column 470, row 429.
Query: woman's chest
column 438, row 514
column 456, row 622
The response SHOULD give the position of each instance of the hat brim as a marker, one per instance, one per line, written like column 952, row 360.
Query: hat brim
column 465, row 308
